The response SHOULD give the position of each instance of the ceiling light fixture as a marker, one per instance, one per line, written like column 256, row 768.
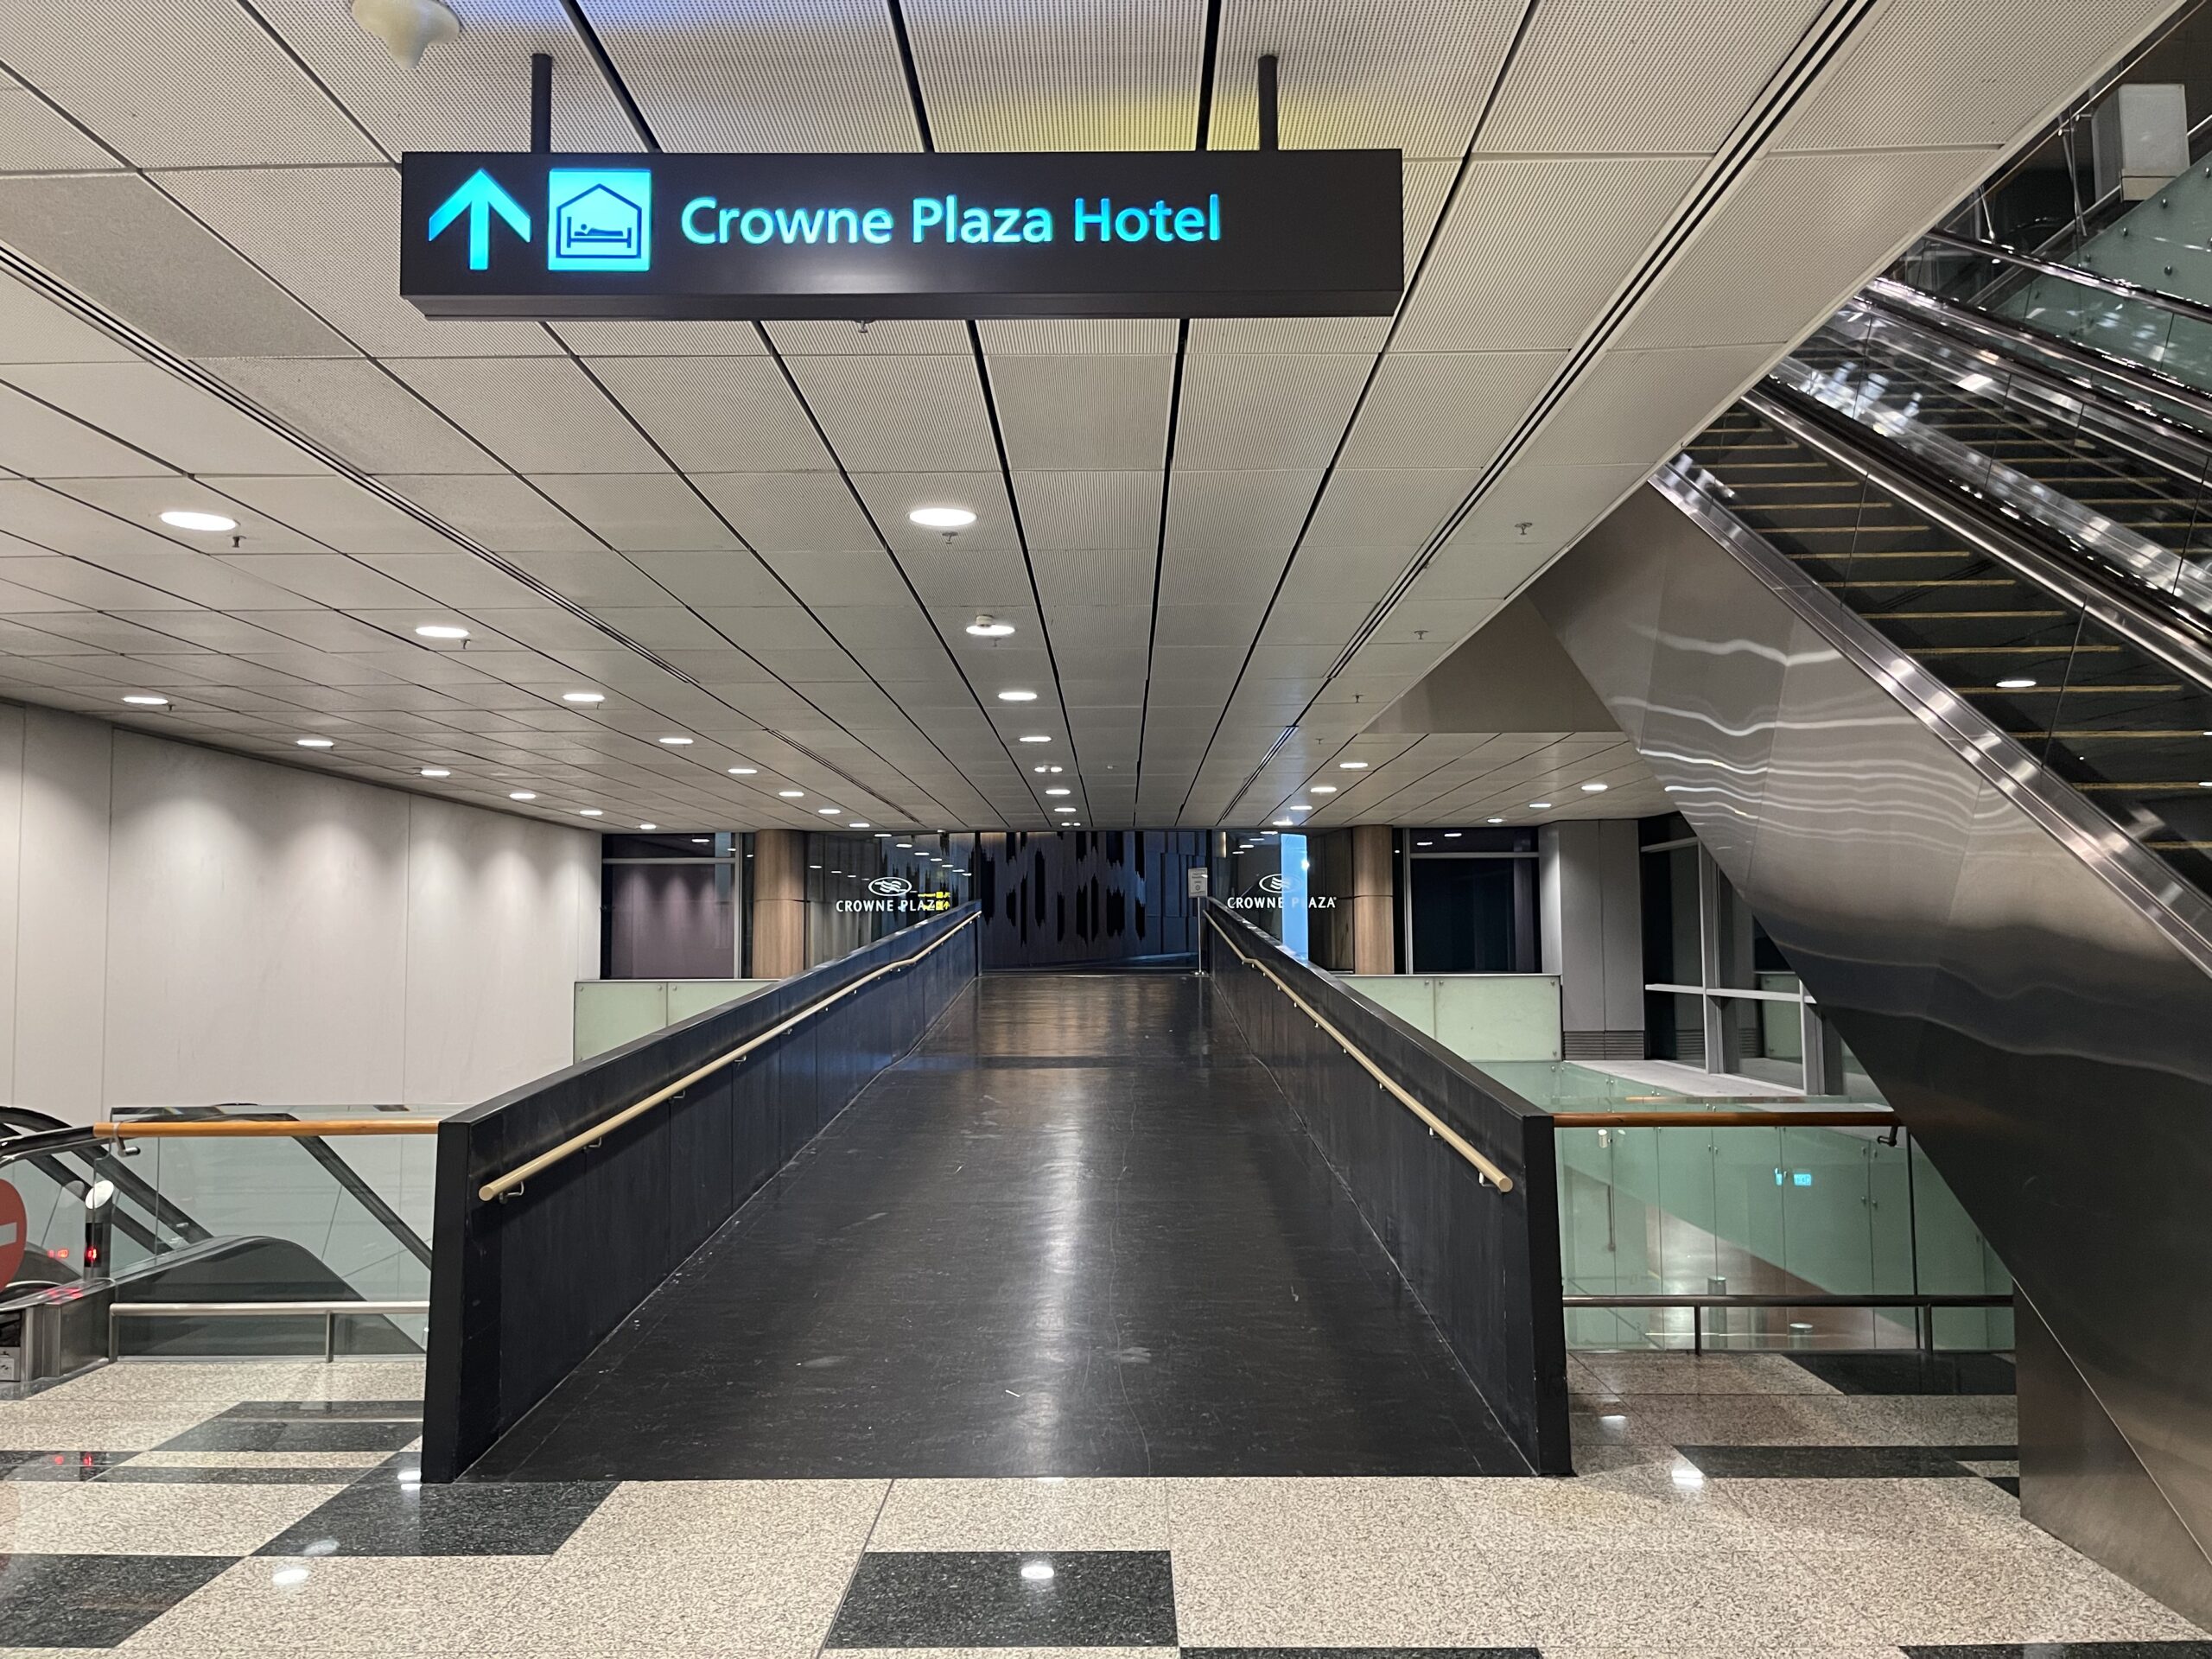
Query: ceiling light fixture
column 792, row 794
column 588, row 812
column 407, row 28
column 522, row 794
column 1301, row 806
column 442, row 631
column 649, row 826
column 1017, row 697
column 857, row 823
column 213, row 522
column 2016, row 685
column 1056, row 791
column 1286, row 823
column 941, row 517
column 436, row 771
column 1450, row 835
column 146, row 700
column 675, row 742
column 988, row 628
column 1321, row 789
column 1493, row 820
column 1352, row 766
column 1041, row 738
column 1064, row 809
column 313, row 742
column 828, row 811
column 743, row 771
column 583, row 697
column 1539, row 806
column 1593, row 789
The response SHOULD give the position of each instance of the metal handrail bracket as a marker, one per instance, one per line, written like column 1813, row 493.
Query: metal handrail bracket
column 511, row 1182
column 1458, row 1143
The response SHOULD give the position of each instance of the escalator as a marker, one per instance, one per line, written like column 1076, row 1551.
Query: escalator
column 1918, row 638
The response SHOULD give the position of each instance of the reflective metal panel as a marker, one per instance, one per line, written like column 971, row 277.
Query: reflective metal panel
column 2030, row 992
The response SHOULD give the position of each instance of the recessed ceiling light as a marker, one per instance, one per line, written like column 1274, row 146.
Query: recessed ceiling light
column 588, row 812
column 1493, row 820
column 1322, row 789
column 857, row 823
column 828, row 811
column 1017, row 697
column 990, row 627
column 1301, row 806
column 1450, row 835
column 792, row 794
column 1064, row 809
column 1539, row 806
column 649, row 826
column 814, row 867
column 941, row 517
column 313, row 742
column 146, row 700
column 906, row 843
column 1286, row 823
column 703, row 840
column 436, row 771
column 521, row 795
column 211, row 522
column 1352, row 766
column 442, row 631
column 1593, row 789
column 1041, row 738
column 1056, row 791
column 583, row 697
column 883, row 835
column 2016, row 685
column 675, row 742
column 743, row 771
column 1424, row 843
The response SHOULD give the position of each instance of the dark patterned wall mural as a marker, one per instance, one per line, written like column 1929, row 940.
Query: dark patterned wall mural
column 1087, row 895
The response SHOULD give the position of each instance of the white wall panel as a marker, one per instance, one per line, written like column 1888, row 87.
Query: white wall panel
column 59, row 950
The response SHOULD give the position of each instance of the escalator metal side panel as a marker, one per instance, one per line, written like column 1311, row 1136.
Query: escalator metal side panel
column 2033, row 1004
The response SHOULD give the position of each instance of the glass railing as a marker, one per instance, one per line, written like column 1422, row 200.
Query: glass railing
column 1769, row 1210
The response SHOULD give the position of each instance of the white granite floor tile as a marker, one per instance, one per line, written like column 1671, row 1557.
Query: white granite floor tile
column 40, row 1423
column 758, row 1519
column 1872, row 1515
column 2029, row 1595
column 1672, row 1602
column 1023, row 1515
column 1657, row 1505
column 776, row 1604
column 93, row 1518
column 217, row 1383
column 363, row 1460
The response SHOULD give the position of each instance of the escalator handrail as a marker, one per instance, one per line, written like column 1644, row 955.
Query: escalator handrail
column 2119, row 287
column 2154, row 623
column 2138, row 876
column 1975, row 329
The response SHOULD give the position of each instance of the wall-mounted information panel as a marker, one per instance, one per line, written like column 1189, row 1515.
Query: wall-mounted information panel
column 1268, row 233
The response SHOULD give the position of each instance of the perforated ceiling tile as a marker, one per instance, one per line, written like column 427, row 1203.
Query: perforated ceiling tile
column 784, row 511
column 710, row 579
column 538, row 415
column 639, row 512
column 772, row 76
column 1253, row 412
column 325, row 578
column 935, row 337
column 229, row 95
column 1083, row 74
column 1841, row 216
column 1554, row 502
column 356, row 409
column 690, row 338
column 1604, row 78
column 469, row 94
column 1409, row 74
column 1374, row 508
column 330, row 235
column 1945, row 71
column 1436, row 410
column 1098, row 575
column 1079, row 337
column 868, row 407
column 337, row 513
column 35, row 137
column 501, row 510
column 1483, row 291
column 716, row 414
column 1084, row 412
column 1222, row 514
column 1070, row 511
column 37, row 442
column 152, row 409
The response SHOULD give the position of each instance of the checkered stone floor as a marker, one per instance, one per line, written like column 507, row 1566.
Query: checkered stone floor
column 1728, row 1507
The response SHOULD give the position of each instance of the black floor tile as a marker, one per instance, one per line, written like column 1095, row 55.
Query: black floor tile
column 1057, row 1598
column 233, row 1435
column 2067, row 1650
column 1912, row 1372
column 2004, row 1483
column 326, row 1411
column 1362, row 1653
column 385, row 1515
column 1824, row 1462
column 1109, row 1267
column 58, row 1465
column 155, row 1474
column 1983, row 1454
column 92, row 1601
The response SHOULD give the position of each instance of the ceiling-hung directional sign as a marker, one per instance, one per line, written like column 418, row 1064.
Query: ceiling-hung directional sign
column 1259, row 233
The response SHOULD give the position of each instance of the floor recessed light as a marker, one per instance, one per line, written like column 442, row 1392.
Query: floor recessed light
column 675, row 742
column 442, row 631
column 1056, row 791
column 213, row 522
column 1322, row 789
column 146, row 700
column 1039, row 737
column 583, row 697
column 1352, row 766
column 743, row 771
column 941, row 517
column 588, row 812
column 313, row 742
column 1593, row 789
column 436, row 771
column 1017, row 697
column 2016, row 685
column 1539, row 806
column 792, row 794
column 990, row 627
column 522, row 794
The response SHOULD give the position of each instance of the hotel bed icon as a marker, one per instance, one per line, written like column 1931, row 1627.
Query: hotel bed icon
column 601, row 220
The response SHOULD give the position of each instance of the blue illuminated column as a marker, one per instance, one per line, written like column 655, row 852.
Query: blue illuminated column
column 1293, row 895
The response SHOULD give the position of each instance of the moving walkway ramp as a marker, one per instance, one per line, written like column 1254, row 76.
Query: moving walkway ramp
column 1917, row 637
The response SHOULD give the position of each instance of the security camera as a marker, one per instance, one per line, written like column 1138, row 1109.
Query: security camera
column 407, row 28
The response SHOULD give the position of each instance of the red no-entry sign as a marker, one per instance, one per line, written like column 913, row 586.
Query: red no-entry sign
column 14, row 1227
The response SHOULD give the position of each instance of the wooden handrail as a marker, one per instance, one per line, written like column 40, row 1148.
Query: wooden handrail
column 266, row 1128
column 1491, row 1172
column 1809, row 1119
column 514, row 1177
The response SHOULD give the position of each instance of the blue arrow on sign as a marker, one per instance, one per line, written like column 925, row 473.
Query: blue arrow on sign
column 480, row 199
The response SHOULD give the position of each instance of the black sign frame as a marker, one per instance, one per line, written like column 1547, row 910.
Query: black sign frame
column 1232, row 233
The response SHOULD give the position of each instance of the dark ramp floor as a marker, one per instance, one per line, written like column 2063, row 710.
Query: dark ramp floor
column 1075, row 1233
